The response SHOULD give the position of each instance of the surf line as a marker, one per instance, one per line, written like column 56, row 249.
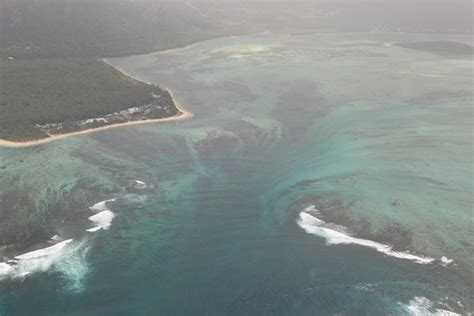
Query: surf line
column 315, row 226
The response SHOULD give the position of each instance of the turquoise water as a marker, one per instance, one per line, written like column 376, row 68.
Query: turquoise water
column 376, row 137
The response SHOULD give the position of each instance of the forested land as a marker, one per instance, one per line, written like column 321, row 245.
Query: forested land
column 42, row 91
column 99, row 28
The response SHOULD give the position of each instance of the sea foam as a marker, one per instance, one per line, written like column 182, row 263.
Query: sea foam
column 45, row 252
column 315, row 226
column 445, row 261
column 66, row 257
column 100, row 206
column 421, row 306
column 103, row 218
column 140, row 185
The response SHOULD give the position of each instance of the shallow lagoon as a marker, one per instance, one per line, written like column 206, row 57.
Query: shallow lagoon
column 377, row 137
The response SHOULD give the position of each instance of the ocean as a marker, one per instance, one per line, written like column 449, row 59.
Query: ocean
column 321, row 174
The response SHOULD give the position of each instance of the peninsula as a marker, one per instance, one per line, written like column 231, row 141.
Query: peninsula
column 83, row 96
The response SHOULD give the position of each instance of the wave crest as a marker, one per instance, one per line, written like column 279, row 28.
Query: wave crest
column 315, row 226
column 66, row 257
column 421, row 306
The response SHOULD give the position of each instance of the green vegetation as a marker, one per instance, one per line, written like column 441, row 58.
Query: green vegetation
column 45, row 91
column 99, row 28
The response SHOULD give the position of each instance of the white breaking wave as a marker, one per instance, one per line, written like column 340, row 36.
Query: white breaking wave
column 445, row 261
column 93, row 229
column 140, row 185
column 103, row 220
column 55, row 238
column 5, row 269
column 66, row 257
column 100, row 206
column 45, row 252
column 242, row 49
column 421, row 306
column 315, row 226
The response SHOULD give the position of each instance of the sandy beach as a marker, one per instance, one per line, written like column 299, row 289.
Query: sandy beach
column 182, row 115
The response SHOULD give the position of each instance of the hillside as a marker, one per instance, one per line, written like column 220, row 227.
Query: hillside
column 58, row 29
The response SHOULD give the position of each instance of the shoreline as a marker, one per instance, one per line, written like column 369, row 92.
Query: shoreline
column 182, row 115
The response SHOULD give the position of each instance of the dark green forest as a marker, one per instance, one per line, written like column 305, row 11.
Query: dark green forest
column 101, row 28
column 41, row 91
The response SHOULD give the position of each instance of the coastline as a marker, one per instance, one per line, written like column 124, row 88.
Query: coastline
column 182, row 115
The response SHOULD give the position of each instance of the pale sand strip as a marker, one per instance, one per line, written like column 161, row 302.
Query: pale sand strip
column 182, row 115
